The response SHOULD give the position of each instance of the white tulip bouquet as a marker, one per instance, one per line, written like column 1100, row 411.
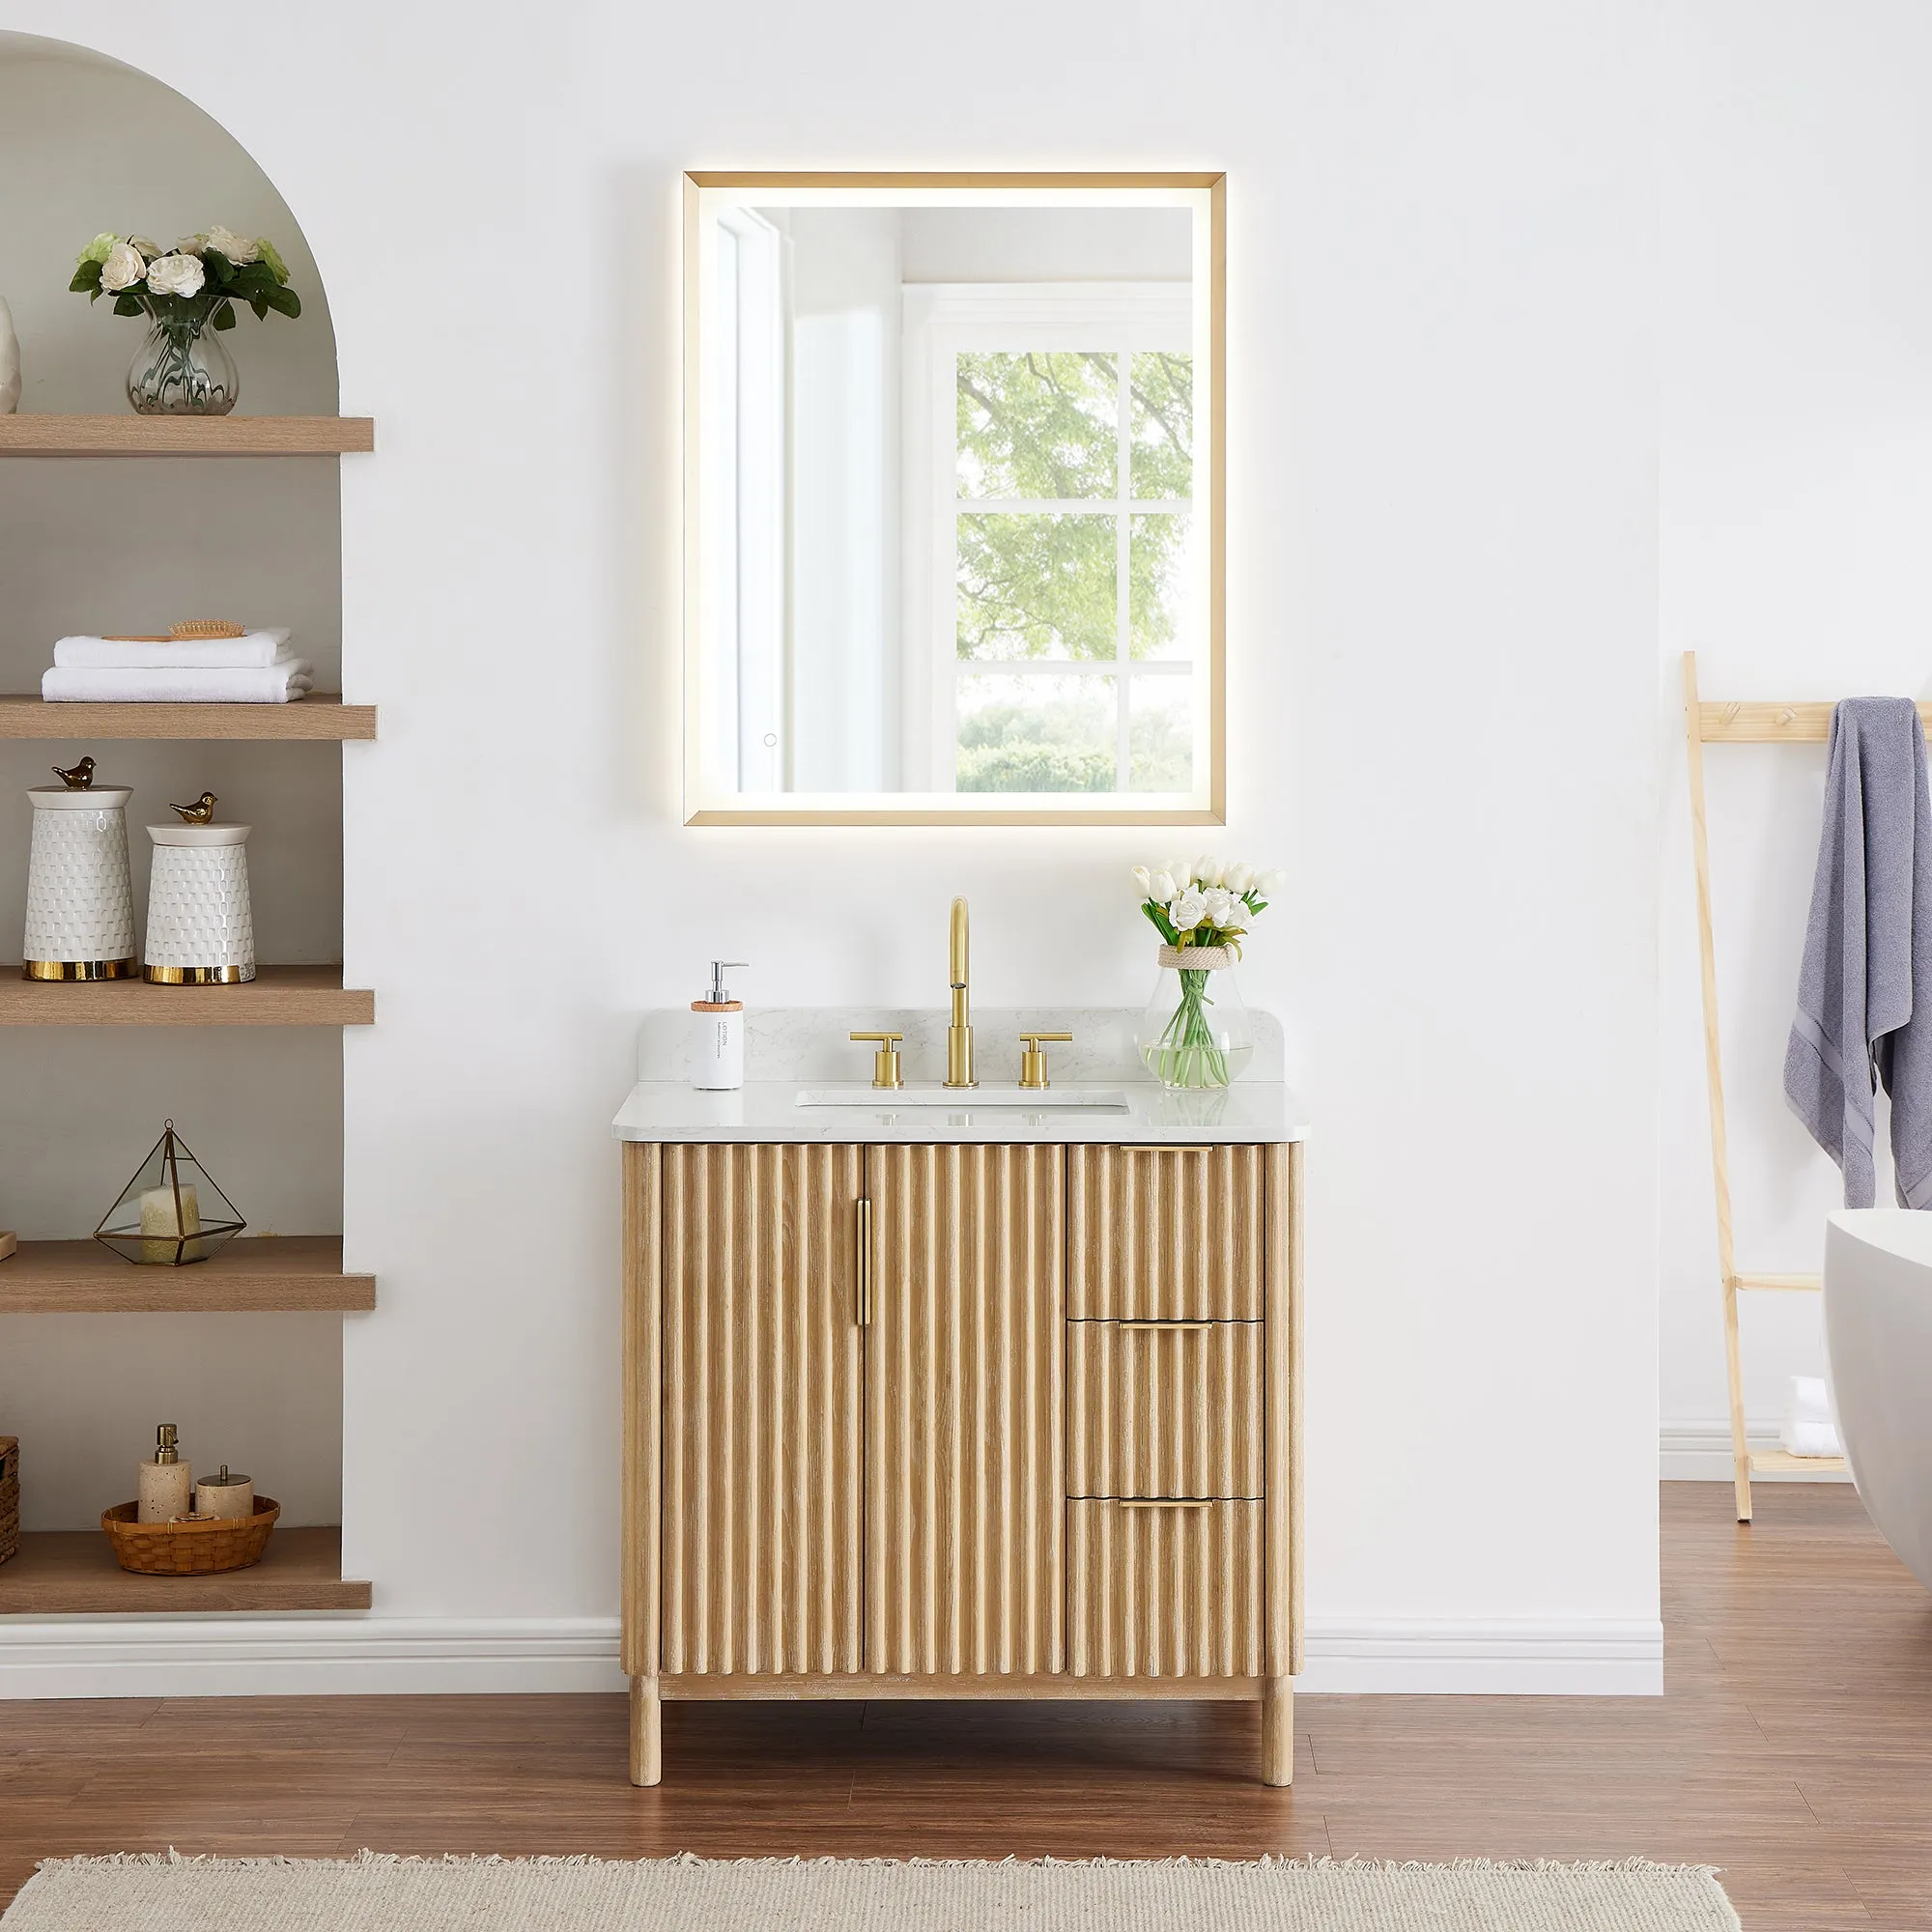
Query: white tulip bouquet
column 1203, row 909
column 196, row 282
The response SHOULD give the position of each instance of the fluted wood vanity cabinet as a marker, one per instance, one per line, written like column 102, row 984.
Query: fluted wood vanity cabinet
column 961, row 1420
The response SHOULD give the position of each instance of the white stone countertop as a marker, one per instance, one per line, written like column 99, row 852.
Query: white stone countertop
column 799, row 1050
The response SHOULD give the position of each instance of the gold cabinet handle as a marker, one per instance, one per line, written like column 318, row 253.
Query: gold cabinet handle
column 1186, row 1327
column 1164, row 1503
column 863, row 1220
column 1032, row 1061
column 1160, row 1146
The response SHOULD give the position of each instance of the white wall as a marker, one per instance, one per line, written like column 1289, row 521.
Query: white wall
column 88, row 546
column 1443, row 712
column 1797, row 486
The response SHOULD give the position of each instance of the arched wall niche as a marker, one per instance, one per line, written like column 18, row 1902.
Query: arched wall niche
column 88, row 143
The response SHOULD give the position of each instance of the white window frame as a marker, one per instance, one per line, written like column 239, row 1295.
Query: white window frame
column 748, row 550
column 942, row 321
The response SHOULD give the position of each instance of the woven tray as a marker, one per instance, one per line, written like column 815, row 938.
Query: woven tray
column 190, row 1546
column 9, row 1496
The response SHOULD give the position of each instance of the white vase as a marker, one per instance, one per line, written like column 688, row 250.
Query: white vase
column 10, row 362
column 201, row 927
column 81, row 903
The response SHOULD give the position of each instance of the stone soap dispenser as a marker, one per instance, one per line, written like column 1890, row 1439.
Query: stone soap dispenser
column 164, row 1485
column 718, row 1035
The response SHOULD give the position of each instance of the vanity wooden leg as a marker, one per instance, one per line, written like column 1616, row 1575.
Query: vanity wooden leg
column 646, row 1732
column 1278, row 1732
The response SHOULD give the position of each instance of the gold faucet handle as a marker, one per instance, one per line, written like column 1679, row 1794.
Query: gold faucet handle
column 1032, row 1061
column 886, row 1061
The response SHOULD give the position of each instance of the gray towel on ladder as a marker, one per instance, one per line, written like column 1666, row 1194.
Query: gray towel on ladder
column 1867, row 951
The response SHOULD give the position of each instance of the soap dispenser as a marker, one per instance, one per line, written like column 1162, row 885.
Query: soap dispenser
column 718, row 1029
column 166, row 1484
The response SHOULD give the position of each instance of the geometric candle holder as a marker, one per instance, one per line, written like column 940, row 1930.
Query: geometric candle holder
column 171, row 1213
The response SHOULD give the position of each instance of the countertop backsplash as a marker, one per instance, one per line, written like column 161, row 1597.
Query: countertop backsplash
column 809, row 1044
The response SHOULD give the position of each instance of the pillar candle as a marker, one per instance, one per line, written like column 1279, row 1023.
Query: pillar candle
column 158, row 1218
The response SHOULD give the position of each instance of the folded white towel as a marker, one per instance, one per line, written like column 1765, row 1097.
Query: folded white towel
column 1808, row 1428
column 1810, row 1400
column 280, row 683
column 1809, row 1438
column 254, row 651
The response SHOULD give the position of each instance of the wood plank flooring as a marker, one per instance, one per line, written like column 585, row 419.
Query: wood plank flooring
column 1793, row 1747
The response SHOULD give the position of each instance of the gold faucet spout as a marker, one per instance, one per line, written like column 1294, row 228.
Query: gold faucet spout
column 959, row 1034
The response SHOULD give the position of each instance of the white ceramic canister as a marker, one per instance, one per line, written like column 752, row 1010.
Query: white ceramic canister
column 80, row 902
column 201, row 928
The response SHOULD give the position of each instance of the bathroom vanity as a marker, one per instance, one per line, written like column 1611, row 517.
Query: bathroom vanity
column 931, row 1394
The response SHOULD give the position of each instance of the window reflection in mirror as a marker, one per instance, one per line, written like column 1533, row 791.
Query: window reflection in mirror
column 951, row 458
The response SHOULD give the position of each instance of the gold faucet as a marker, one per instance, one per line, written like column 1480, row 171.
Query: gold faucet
column 959, row 1034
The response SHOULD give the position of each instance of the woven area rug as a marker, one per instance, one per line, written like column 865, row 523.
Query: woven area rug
column 373, row 1893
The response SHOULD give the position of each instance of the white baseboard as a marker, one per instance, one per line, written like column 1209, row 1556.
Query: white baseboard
column 1497, row 1657
column 1700, row 1452
column 369, row 1656
column 292, row 1656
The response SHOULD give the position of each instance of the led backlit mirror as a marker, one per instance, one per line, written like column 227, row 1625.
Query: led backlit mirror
column 953, row 499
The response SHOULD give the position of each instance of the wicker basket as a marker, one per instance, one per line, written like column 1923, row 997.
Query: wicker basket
column 9, row 1496
column 190, row 1545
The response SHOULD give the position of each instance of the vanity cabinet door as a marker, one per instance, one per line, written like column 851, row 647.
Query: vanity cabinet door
column 964, row 1490
column 1165, row 1233
column 762, row 1529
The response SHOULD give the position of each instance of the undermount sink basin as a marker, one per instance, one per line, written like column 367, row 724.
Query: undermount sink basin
column 1059, row 1099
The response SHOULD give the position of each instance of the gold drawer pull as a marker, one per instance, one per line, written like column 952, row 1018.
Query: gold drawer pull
column 863, row 1312
column 1179, row 1326
column 1165, row 1502
column 1161, row 1147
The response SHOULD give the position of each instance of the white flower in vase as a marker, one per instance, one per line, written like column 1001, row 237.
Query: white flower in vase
column 1196, row 1032
column 122, row 268
column 237, row 248
column 1187, row 910
column 173, row 276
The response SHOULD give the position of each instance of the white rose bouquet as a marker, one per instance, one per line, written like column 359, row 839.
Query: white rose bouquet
column 185, row 291
column 1202, row 912
column 197, row 281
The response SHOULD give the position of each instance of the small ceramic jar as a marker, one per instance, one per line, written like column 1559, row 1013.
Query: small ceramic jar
column 201, row 927
column 80, row 902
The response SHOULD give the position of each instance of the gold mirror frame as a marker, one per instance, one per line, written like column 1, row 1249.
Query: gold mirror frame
column 1062, row 807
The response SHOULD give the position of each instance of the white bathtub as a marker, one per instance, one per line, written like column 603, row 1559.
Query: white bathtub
column 1878, row 1331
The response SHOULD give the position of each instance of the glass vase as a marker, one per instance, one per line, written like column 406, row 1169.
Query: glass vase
column 183, row 369
column 1196, row 1032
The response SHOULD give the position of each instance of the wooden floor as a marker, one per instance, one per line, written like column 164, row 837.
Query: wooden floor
column 1794, row 1748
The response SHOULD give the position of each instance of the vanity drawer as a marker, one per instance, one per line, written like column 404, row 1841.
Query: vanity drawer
column 1164, row 1408
column 1165, row 1233
column 1164, row 1589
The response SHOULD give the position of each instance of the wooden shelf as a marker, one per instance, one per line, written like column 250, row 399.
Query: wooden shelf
column 320, row 716
column 271, row 1274
column 278, row 996
column 63, row 1573
column 186, row 436
column 1776, row 1463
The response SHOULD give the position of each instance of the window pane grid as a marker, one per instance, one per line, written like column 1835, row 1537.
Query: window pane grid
column 1154, row 760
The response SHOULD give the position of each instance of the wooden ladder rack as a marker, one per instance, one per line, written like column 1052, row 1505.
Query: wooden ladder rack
column 1741, row 724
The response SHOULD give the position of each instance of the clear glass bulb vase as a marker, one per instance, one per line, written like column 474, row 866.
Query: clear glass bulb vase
column 1196, row 1032
column 183, row 369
